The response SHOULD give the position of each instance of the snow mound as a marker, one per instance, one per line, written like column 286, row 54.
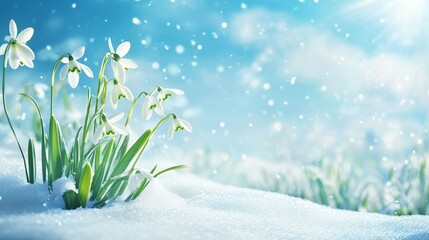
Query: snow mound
column 184, row 206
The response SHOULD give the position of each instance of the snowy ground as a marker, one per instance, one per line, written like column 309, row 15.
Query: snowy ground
column 184, row 206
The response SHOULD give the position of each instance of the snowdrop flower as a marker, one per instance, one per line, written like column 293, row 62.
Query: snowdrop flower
column 72, row 68
column 178, row 124
column 138, row 176
column 145, row 173
column 119, row 91
column 109, row 127
column 19, row 53
column 119, row 63
column 151, row 103
column 165, row 93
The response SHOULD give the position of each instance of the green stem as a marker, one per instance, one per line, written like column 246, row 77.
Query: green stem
column 100, row 79
column 159, row 124
column 53, row 78
column 5, row 109
column 130, row 111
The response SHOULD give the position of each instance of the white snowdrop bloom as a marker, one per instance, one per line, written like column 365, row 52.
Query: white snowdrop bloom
column 19, row 53
column 165, row 93
column 119, row 91
column 72, row 68
column 119, row 63
column 151, row 103
column 145, row 173
column 138, row 176
column 178, row 124
column 109, row 127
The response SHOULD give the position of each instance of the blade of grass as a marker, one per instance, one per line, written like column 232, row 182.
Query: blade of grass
column 42, row 128
column 170, row 169
column 55, row 162
column 31, row 162
column 99, row 172
column 85, row 184
column 137, row 147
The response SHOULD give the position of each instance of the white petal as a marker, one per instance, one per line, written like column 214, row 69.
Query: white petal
column 25, row 35
column 146, row 112
column 120, row 129
column 12, row 28
column 13, row 53
column 24, row 51
column 171, row 131
column 114, row 98
column 63, row 72
column 14, row 63
column 3, row 48
column 78, row 53
column 174, row 91
column 123, row 49
column 116, row 117
column 145, row 173
column 159, row 109
column 87, row 70
column 98, row 133
column 27, row 62
column 73, row 79
column 128, row 94
column 109, row 41
column 128, row 63
column 119, row 72
column 65, row 60
column 185, row 124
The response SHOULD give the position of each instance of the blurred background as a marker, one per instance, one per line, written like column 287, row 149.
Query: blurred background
column 273, row 82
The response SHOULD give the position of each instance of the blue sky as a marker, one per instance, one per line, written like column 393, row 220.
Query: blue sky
column 277, row 79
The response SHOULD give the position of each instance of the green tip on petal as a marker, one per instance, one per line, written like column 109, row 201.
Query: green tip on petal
column 74, row 69
column 166, row 96
column 152, row 106
column 179, row 128
column 110, row 132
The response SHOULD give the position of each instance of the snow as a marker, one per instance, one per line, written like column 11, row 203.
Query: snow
column 181, row 205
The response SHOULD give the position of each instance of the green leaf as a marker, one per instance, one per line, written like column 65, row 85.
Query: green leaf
column 118, row 187
column 63, row 147
column 106, row 187
column 137, row 147
column 123, row 148
column 71, row 199
column 99, row 172
column 85, row 184
column 170, row 169
column 42, row 134
column 31, row 162
column 55, row 161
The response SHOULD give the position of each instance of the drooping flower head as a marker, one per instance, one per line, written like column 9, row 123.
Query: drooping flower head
column 165, row 93
column 19, row 53
column 72, row 68
column 151, row 103
column 178, row 125
column 109, row 126
column 119, row 91
column 119, row 63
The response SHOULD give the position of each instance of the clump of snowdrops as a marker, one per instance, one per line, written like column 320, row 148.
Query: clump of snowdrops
column 101, row 161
